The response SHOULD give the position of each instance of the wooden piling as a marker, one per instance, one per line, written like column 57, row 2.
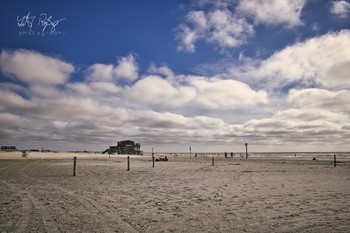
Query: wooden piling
column 335, row 160
column 212, row 161
column 152, row 161
column 74, row 166
column 128, row 163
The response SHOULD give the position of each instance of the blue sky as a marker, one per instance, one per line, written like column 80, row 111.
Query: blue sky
column 168, row 74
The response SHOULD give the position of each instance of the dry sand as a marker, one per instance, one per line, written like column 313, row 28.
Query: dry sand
column 39, row 194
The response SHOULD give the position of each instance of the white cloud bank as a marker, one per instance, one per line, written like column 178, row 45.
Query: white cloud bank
column 164, row 108
column 320, row 98
column 195, row 92
column 321, row 61
column 315, row 127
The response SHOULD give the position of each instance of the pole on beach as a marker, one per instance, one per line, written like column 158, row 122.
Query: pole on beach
column 212, row 161
column 246, row 150
column 128, row 163
column 335, row 160
column 74, row 166
column 190, row 151
column 152, row 161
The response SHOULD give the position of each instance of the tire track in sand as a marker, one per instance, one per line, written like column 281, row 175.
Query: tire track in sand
column 90, row 205
column 26, row 204
column 26, row 207
column 29, row 201
column 9, row 166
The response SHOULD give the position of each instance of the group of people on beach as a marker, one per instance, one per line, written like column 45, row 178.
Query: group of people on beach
column 165, row 159
column 232, row 154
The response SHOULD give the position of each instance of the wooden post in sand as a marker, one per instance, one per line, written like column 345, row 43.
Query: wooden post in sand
column 335, row 160
column 152, row 161
column 74, row 165
column 128, row 163
column 246, row 150
column 212, row 161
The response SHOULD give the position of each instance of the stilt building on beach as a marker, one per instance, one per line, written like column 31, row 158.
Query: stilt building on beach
column 127, row 147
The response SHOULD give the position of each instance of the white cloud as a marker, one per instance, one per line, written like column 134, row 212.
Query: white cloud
column 104, row 87
column 153, row 90
column 44, row 91
column 227, row 30
column 215, row 93
column 226, row 23
column 162, row 70
column 320, row 98
column 273, row 12
column 76, row 108
column 308, row 115
column 100, row 72
column 82, row 118
column 340, row 9
column 199, row 19
column 34, row 68
column 125, row 69
column 81, row 88
column 218, row 26
column 187, row 38
column 8, row 119
column 162, row 106
column 300, row 126
column 321, row 61
column 10, row 101
column 196, row 92
column 315, row 27
column 165, row 127
column 94, row 88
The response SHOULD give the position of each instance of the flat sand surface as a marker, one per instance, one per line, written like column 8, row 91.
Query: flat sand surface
column 39, row 194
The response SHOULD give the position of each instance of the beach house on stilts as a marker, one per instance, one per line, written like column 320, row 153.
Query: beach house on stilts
column 126, row 147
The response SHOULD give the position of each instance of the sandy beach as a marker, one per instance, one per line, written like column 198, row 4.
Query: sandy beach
column 40, row 194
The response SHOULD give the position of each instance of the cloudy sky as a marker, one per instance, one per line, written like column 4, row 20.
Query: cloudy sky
column 212, row 74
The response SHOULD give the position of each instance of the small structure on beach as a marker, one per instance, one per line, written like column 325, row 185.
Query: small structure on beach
column 127, row 147
column 24, row 154
column 8, row 148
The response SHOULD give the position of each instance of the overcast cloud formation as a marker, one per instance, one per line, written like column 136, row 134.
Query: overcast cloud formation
column 294, row 99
